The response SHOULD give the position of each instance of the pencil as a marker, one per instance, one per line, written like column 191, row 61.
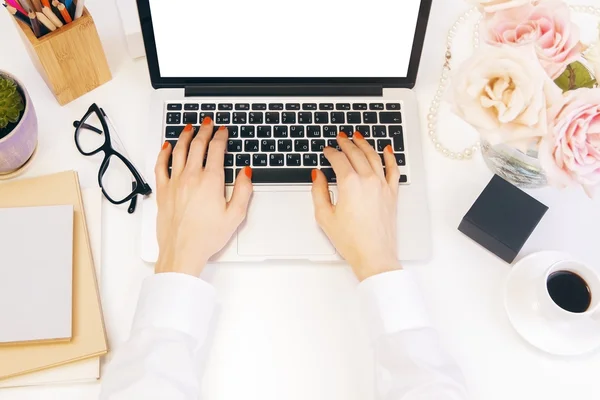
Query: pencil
column 18, row 14
column 63, row 11
column 45, row 21
column 45, row 3
column 51, row 17
column 15, row 4
column 37, row 6
column 35, row 25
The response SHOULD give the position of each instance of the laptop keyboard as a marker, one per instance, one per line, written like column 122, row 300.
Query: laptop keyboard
column 283, row 142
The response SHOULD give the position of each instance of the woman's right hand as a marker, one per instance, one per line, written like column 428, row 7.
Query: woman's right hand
column 362, row 225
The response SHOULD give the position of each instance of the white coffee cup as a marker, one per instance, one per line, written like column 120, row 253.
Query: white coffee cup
column 555, row 312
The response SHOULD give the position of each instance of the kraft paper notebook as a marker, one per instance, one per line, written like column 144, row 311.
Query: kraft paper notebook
column 85, row 370
column 36, row 265
column 88, row 335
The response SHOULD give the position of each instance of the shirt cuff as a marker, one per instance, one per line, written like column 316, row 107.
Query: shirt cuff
column 392, row 303
column 176, row 301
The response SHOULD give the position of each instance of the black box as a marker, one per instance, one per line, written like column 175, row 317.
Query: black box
column 502, row 219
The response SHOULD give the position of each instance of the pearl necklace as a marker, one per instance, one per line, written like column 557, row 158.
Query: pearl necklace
column 432, row 117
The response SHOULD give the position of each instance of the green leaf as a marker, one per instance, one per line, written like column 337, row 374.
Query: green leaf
column 576, row 76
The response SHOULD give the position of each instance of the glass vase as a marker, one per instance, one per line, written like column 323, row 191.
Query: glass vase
column 520, row 169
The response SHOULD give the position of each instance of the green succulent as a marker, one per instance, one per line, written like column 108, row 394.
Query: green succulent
column 11, row 102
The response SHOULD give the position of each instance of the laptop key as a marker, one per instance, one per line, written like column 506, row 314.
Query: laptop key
column 233, row 131
column 223, row 118
column 190, row 118
column 403, row 179
column 382, row 144
column 284, row 146
column 234, row 146
column 309, row 160
column 400, row 159
column 288, row 118
column 240, row 117
column 192, row 107
column 281, row 131
column 205, row 114
column 342, row 106
column 305, row 118
column 376, row 106
column 242, row 107
column 247, row 131
column 333, row 143
column 272, row 118
column 263, row 131
column 281, row 175
column 228, row 175
column 390, row 118
column 398, row 142
column 329, row 174
column 259, row 160
column 276, row 106
column 347, row 129
column 395, row 130
column 293, row 160
column 276, row 160
column 313, row 131
column 225, row 107
column 209, row 107
column 301, row 145
column 228, row 160
column 317, row 145
column 392, row 106
column 173, row 132
column 256, row 118
column 242, row 160
column 321, row 118
column 174, row 118
column 338, row 118
column 309, row 106
column 297, row 131
column 370, row 117
column 379, row 131
column 251, row 146
column 353, row 117
column 323, row 161
column 267, row 146
column 359, row 106
column 326, row 106
column 292, row 106
column 259, row 106
column 174, row 107
column 371, row 142
column 365, row 130
column 330, row 131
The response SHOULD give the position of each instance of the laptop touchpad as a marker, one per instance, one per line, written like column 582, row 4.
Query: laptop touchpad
column 282, row 224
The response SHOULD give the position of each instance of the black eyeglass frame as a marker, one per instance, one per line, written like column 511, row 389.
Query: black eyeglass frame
column 139, row 187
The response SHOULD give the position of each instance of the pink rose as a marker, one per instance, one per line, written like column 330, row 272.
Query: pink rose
column 547, row 24
column 570, row 153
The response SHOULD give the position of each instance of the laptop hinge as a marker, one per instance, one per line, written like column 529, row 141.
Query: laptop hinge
column 284, row 90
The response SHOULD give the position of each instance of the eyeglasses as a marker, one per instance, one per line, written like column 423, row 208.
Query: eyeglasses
column 118, row 178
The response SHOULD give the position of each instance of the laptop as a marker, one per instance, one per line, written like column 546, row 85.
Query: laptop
column 286, row 78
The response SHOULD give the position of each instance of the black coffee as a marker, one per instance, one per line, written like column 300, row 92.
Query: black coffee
column 569, row 291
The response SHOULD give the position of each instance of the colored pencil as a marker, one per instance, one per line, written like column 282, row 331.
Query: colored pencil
column 35, row 25
column 51, row 17
column 63, row 11
column 45, row 21
column 18, row 14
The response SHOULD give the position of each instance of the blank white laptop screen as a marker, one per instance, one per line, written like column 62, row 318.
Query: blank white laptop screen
column 284, row 39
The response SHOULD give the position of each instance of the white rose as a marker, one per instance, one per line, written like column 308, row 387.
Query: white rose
column 491, row 6
column 593, row 57
column 504, row 92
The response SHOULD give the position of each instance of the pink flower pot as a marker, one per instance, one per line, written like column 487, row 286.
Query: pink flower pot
column 18, row 146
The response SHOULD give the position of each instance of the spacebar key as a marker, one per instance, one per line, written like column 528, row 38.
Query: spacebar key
column 285, row 175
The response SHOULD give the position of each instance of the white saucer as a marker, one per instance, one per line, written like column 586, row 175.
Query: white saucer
column 520, row 301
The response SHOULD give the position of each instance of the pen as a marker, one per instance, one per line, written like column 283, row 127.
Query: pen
column 63, row 11
column 79, row 9
column 51, row 17
column 18, row 14
column 35, row 25
column 15, row 4
column 45, row 21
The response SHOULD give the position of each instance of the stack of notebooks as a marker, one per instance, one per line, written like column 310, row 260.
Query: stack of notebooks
column 51, row 325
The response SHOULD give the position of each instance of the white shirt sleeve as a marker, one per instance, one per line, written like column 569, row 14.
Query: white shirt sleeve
column 169, row 330
column 161, row 359
column 411, row 365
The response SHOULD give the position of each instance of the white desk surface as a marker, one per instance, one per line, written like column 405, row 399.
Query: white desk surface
column 293, row 331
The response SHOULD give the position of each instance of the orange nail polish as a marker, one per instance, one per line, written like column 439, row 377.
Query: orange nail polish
column 343, row 135
column 313, row 175
column 388, row 148
column 248, row 172
column 206, row 120
column 188, row 127
column 222, row 127
column 358, row 135
column 165, row 145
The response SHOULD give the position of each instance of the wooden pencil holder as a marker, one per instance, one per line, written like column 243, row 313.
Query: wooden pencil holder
column 71, row 59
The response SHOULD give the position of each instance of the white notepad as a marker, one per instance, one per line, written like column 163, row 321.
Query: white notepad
column 36, row 274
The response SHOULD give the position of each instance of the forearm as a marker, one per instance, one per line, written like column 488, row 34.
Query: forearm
column 411, row 364
column 170, row 327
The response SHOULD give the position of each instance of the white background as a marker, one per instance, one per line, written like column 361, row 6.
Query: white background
column 273, row 38
column 293, row 331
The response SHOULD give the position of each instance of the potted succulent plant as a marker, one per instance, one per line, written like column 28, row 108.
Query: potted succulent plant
column 18, row 126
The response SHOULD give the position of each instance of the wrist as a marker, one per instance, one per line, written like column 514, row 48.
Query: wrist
column 370, row 269
column 167, row 263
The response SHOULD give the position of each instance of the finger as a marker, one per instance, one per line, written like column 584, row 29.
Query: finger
column 369, row 152
column 339, row 162
column 161, row 169
column 216, row 150
column 392, row 170
column 242, row 192
column 355, row 156
column 180, row 152
column 199, row 145
column 321, row 198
